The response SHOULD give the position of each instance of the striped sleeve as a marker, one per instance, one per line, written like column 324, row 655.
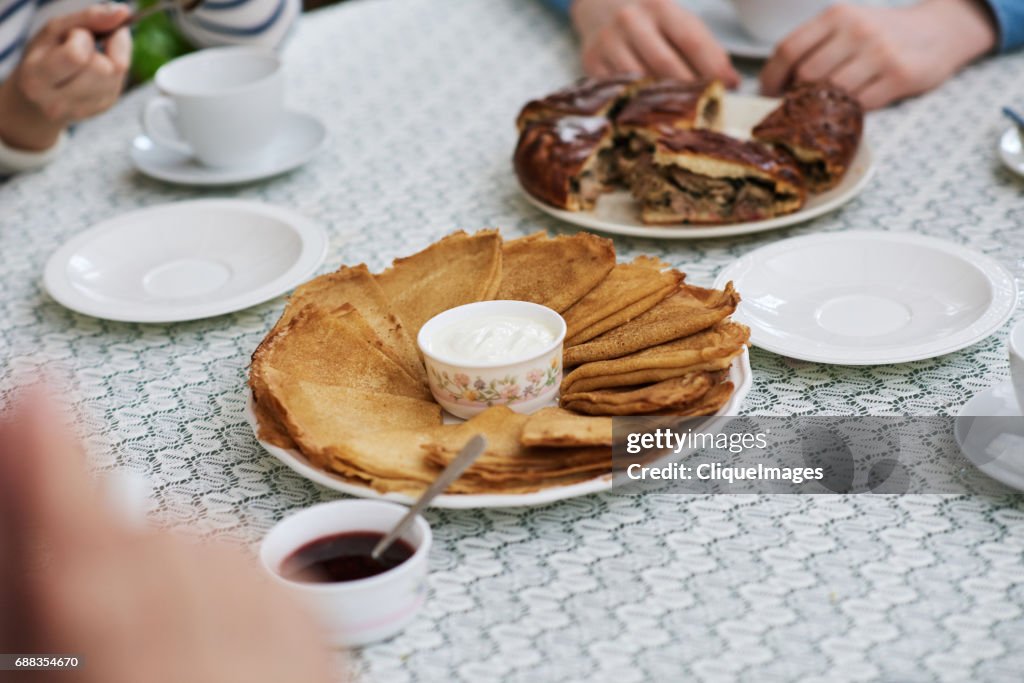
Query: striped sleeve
column 14, row 20
column 265, row 23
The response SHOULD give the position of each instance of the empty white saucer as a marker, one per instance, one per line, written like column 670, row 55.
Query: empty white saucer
column 300, row 137
column 722, row 22
column 1011, row 149
column 990, row 432
column 869, row 298
column 185, row 261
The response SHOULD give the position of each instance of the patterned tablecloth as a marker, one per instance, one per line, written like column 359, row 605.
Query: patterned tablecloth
column 419, row 96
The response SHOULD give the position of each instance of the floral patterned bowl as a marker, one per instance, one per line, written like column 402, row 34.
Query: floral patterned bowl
column 524, row 384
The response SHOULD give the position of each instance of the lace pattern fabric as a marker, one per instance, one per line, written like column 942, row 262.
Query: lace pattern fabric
column 420, row 99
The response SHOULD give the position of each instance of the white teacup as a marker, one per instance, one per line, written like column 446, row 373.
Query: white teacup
column 1016, row 348
column 365, row 610
column 222, row 106
column 772, row 20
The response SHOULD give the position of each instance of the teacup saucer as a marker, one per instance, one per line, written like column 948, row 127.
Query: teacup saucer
column 869, row 297
column 300, row 137
column 990, row 432
column 185, row 261
column 722, row 22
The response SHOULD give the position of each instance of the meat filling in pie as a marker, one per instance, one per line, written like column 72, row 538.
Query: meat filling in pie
column 705, row 177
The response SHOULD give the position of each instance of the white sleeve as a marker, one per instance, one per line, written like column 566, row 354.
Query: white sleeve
column 17, row 160
column 264, row 23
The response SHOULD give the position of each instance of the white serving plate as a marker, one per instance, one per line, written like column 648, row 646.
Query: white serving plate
column 185, row 261
column 1011, row 150
column 869, row 298
column 739, row 374
column 617, row 212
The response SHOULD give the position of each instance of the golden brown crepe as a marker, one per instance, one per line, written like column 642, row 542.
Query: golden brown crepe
column 505, row 458
column 558, row 427
column 625, row 285
column 337, row 376
column 329, row 347
column 310, row 413
column 269, row 427
column 709, row 404
column 468, row 484
column 689, row 310
column 556, row 272
column 678, row 392
column 459, row 269
column 387, row 460
column 357, row 286
column 622, row 316
column 712, row 349
column 332, row 347
column 650, row 376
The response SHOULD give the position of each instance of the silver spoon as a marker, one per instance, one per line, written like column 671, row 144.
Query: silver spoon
column 469, row 453
column 1014, row 116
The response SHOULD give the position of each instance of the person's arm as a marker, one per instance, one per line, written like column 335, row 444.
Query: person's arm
column 654, row 37
column 264, row 23
column 62, row 78
column 14, row 160
column 137, row 605
column 882, row 54
column 1009, row 17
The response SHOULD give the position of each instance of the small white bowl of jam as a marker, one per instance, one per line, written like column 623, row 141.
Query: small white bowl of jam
column 493, row 353
column 322, row 555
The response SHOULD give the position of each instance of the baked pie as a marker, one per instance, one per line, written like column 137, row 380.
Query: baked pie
column 659, row 139
column 673, row 104
column 566, row 161
column 820, row 125
column 701, row 176
column 664, row 105
column 586, row 97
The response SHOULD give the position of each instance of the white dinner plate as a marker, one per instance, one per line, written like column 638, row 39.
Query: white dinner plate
column 185, row 261
column 991, row 436
column 300, row 137
column 869, row 298
column 739, row 374
column 618, row 213
column 721, row 20
column 1011, row 150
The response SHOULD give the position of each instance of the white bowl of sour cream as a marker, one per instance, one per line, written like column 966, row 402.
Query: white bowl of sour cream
column 493, row 353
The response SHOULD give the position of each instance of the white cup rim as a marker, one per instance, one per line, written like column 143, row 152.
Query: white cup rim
column 164, row 73
column 419, row 554
column 542, row 311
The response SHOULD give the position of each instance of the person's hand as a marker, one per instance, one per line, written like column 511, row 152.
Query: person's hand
column 63, row 78
column 135, row 606
column 653, row 37
column 879, row 54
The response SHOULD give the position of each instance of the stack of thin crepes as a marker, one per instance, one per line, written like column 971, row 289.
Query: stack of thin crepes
column 339, row 377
